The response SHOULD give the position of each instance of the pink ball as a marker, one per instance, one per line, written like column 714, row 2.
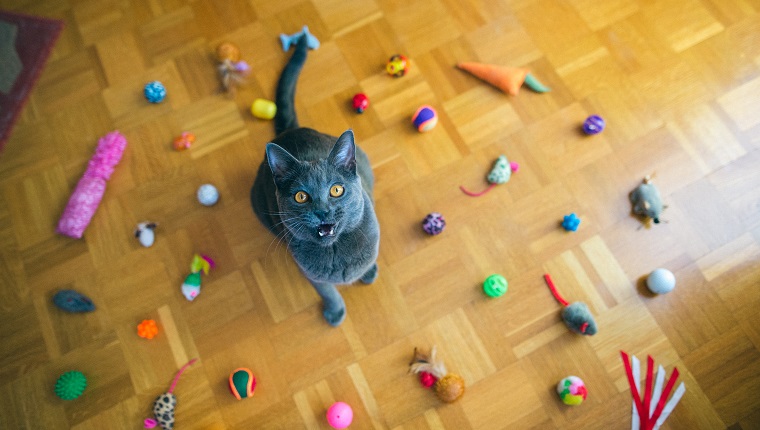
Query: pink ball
column 340, row 415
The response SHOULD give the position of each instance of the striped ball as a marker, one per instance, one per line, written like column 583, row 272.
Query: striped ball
column 242, row 383
column 594, row 124
column 425, row 118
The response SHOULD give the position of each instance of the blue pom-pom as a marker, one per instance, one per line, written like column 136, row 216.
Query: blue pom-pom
column 155, row 92
column 571, row 222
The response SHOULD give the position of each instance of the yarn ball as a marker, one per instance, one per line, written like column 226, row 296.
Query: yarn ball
column 72, row 301
column 242, row 383
column 427, row 379
column 397, row 66
column 593, row 124
column 572, row 391
column 433, row 223
column 661, row 281
column 495, row 285
column 450, row 388
column 208, row 195
column 155, row 92
column 425, row 118
column 571, row 222
column 70, row 385
column 340, row 415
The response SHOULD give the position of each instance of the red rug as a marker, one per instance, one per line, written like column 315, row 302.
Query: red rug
column 21, row 62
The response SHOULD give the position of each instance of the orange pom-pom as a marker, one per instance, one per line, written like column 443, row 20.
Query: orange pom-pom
column 147, row 329
column 227, row 51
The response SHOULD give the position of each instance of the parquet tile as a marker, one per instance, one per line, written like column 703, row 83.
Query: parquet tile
column 676, row 80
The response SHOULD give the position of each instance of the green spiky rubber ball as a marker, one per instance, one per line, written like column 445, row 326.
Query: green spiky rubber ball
column 70, row 385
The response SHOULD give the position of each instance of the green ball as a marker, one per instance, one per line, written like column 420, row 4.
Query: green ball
column 495, row 286
column 70, row 385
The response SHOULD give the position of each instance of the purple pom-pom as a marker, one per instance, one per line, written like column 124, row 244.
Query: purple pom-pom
column 594, row 124
column 433, row 223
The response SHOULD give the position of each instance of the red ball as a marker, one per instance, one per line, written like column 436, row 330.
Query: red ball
column 360, row 102
column 427, row 379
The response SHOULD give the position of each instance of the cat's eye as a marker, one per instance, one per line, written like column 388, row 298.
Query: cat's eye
column 301, row 197
column 336, row 190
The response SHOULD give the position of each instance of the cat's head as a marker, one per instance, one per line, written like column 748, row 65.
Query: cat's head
column 320, row 199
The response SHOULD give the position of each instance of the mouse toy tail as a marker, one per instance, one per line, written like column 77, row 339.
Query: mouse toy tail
column 555, row 293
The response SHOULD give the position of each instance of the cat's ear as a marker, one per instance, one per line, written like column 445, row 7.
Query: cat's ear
column 343, row 153
column 280, row 161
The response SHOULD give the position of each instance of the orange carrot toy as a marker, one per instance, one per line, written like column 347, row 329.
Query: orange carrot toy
column 505, row 78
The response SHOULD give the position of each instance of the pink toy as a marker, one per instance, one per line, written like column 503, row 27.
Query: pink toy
column 340, row 415
column 89, row 191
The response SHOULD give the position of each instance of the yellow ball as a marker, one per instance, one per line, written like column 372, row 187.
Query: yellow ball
column 263, row 109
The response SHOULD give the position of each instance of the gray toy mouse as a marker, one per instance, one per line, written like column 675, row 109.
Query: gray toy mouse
column 646, row 200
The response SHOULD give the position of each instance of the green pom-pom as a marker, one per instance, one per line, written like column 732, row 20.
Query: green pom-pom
column 70, row 385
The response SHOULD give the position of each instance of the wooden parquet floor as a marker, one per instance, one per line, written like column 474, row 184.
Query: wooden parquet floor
column 678, row 82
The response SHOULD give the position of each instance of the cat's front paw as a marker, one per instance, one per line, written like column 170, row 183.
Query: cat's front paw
column 370, row 276
column 336, row 316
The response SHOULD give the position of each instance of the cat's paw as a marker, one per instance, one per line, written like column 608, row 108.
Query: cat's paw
column 370, row 276
column 336, row 316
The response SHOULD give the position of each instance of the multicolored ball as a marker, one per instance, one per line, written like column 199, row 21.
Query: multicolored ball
column 242, row 383
column 572, row 391
column 397, row 66
column 155, row 92
column 433, row 223
column 425, row 118
column 593, row 124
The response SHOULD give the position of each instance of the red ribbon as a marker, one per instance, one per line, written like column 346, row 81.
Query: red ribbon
column 642, row 407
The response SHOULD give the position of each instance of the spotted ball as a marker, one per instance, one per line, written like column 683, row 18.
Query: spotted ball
column 155, row 92
column 572, row 390
column 593, row 124
column 433, row 223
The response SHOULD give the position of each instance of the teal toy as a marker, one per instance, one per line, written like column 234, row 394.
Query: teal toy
column 290, row 40
column 500, row 173
column 571, row 222
column 70, row 385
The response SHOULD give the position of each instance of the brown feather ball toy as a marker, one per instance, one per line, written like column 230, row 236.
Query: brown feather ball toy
column 448, row 386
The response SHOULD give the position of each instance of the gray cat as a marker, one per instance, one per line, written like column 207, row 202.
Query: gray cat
column 316, row 191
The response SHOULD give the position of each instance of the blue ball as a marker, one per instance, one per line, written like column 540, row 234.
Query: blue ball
column 155, row 92
column 571, row 222
column 593, row 124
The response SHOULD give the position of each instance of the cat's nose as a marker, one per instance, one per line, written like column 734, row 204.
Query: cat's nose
column 321, row 214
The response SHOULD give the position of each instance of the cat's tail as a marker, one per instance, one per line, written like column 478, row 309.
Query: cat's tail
column 285, row 118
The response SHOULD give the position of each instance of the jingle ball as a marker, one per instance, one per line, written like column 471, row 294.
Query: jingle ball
column 593, row 124
column 495, row 285
column 154, row 92
column 360, row 102
column 242, row 383
column 397, row 66
column 425, row 118
column 433, row 223
column 661, row 281
column 340, row 415
column 208, row 195
column 572, row 391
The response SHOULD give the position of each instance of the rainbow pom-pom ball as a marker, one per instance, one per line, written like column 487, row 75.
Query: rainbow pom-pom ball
column 593, row 124
column 242, row 383
column 572, row 390
column 425, row 118
column 340, row 415
column 155, row 92
column 433, row 223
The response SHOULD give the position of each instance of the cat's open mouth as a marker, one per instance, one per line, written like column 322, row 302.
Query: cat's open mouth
column 325, row 230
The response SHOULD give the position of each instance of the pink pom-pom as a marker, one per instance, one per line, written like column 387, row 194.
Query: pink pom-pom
column 514, row 166
column 150, row 423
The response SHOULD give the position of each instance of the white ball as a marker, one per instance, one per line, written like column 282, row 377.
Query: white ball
column 208, row 195
column 661, row 281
